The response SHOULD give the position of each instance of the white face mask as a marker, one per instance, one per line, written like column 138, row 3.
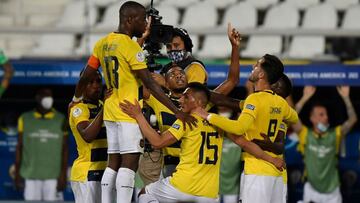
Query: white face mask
column 322, row 127
column 225, row 114
column 47, row 102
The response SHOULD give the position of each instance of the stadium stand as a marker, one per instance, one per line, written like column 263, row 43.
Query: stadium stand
column 322, row 16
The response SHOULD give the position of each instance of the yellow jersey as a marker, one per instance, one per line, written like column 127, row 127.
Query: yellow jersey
column 165, row 118
column 267, row 111
column 198, row 171
column 195, row 72
column 92, row 157
column 119, row 56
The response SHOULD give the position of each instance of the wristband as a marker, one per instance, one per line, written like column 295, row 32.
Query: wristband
column 76, row 99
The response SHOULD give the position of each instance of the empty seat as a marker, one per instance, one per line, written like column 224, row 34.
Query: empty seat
column 262, row 4
column 42, row 20
column 200, row 16
column 170, row 15
column 307, row 47
column 87, row 44
column 215, row 46
column 75, row 16
column 19, row 44
column 351, row 18
column 242, row 16
column 221, row 4
column 43, row 6
column 110, row 20
column 6, row 20
column 179, row 4
column 343, row 4
column 260, row 45
column 54, row 45
column 322, row 16
column 302, row 4
column 101, row 2
column 257, row 46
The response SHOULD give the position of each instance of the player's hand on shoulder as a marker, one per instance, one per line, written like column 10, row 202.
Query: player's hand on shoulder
column 133, row 110
column 186, row 119
column 201, row 112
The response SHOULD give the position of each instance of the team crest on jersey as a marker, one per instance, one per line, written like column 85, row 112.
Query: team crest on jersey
column 176, row 126
column 250, row 106
column 77, row 112
column 140, row 56
column 282, row 126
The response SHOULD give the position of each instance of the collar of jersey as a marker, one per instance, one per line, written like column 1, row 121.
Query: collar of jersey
column 268, row 91
column 48, row 115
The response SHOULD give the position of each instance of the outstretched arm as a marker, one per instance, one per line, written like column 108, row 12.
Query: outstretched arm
column 8, row 73
column 308, row 92
column 233, row 76
column 344, row 92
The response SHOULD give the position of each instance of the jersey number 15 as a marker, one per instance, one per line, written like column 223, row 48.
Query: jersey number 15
column 205, row 137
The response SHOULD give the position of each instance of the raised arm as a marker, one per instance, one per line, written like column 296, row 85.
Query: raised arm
column 157, row 141
column 308, row 92
column 232, row 79
column 344, row 92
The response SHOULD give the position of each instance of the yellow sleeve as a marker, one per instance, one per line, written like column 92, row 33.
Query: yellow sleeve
column 241, row 104
column 236, row 127
column 338, row 137
column 79, row 113
column 196, row 73
column 302, row 139
column 291, row 117
column 209, row 106
column 177, row 129
column 136, row 57
column 20, row 124
column 251, row 106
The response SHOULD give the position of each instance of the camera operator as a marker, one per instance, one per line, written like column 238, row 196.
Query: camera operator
column 179, row 52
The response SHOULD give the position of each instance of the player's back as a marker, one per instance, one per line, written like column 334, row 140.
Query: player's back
column 119, row 56
column 269, row 110
column 199, row 167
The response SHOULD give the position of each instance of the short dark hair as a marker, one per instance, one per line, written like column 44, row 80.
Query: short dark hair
column 184, row 35
column 200, row 88
column 286, row 86
column 316, row 104
column 273, row 67
column 129, row 8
